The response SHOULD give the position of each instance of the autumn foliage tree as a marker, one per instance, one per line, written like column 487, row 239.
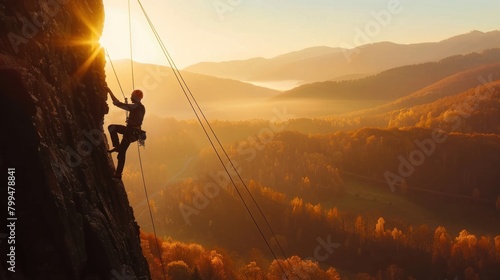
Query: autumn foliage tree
column 442, row 245
column 296, row 268
column 251, row 272
column 178, row 270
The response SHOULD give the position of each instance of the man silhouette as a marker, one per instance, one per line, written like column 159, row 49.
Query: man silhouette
column 130, row 132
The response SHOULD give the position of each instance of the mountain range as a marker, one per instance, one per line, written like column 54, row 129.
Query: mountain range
column 326, row 63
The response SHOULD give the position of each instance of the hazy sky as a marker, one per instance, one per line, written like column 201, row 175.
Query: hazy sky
column 217, row 30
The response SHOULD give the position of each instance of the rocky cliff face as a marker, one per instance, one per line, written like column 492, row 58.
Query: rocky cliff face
column 70, row 220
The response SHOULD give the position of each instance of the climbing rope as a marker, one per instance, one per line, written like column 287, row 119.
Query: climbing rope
column 118, row 80
column 114, row 71
column 150, row 213
column 131, row 45
column 192, row 102
column 139, row 144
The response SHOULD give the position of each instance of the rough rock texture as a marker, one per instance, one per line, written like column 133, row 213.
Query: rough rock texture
column 73, row 220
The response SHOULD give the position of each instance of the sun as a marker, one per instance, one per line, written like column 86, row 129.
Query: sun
column 116, row 38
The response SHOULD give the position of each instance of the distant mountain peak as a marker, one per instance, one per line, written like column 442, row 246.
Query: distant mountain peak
column 472, row 34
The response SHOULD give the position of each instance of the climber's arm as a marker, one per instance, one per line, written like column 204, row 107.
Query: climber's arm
column 115, row 100
column 119, row 104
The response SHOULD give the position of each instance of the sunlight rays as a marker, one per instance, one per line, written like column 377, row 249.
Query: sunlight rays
column 92, row 43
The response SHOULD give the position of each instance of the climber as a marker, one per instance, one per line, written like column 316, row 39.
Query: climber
column 132, row 132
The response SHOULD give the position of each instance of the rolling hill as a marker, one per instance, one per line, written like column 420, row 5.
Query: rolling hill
column 470, row 110
column 448, row 86
column 476, row 110
column 323, row 63
column 394, row 83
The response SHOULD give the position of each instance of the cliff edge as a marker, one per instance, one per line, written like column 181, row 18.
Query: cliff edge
column 68, row 219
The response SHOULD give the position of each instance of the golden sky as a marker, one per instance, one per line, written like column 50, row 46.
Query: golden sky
column 218, row 30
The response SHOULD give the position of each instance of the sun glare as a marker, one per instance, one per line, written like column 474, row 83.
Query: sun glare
column 116, row 38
